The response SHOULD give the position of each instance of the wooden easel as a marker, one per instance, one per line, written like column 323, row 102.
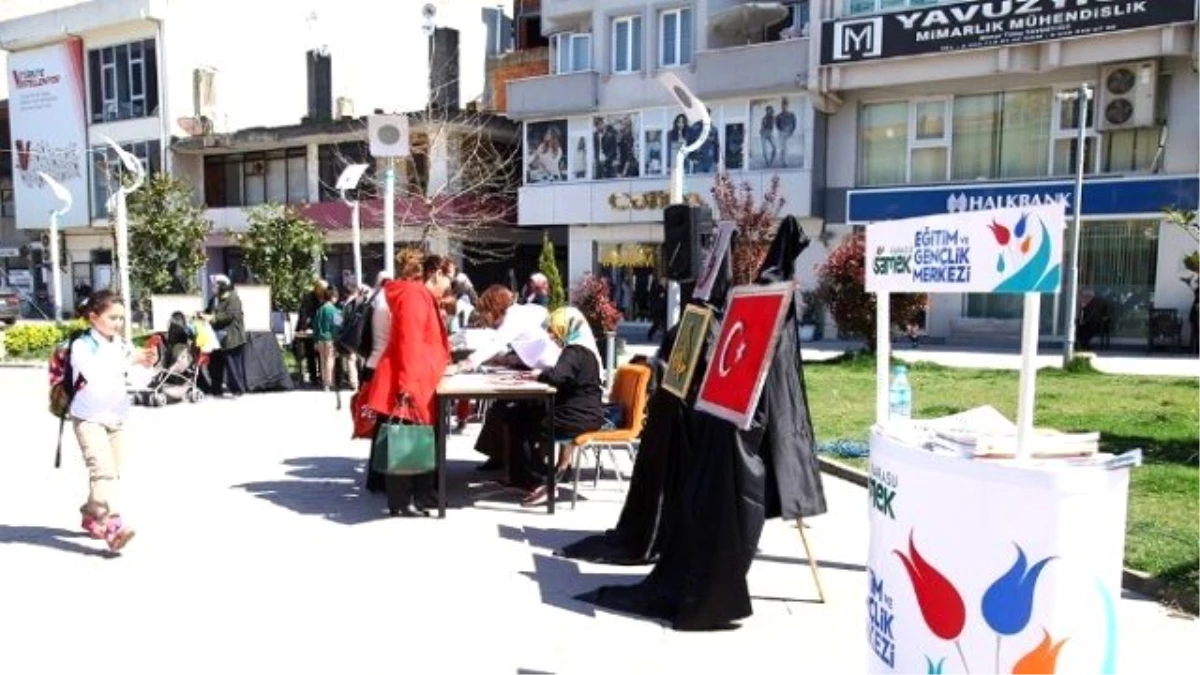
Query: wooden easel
column 812, row 561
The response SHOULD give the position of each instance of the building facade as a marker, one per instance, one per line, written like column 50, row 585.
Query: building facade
column 938, row 107
column 601, row 132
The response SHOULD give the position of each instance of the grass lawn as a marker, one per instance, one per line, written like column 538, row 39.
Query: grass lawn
column 1159, row 415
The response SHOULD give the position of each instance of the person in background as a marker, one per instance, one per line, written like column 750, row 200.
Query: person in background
column 303, row 347
column 578, row 403
column 381, row 328
column 464, row 302
column 658, row 308
column 404, row 382
column 100, row 361
column 226, row 318
column 537, row 291
column 324, row 331
column 915, row 326
column 1094, row 318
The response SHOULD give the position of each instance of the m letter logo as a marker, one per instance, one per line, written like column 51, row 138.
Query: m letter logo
column 862, row 39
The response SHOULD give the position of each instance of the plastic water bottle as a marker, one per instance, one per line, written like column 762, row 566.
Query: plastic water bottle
column 900, row 395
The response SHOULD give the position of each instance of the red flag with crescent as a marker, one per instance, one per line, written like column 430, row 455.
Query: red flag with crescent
column 738, row 365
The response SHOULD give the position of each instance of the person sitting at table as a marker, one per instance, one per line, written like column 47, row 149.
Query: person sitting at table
column 410, row 368
column 512, row 323
column 578, row 402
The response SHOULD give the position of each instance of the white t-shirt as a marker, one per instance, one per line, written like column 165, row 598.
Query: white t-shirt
column 522, row 325
column 103, row 365
column 381, row 328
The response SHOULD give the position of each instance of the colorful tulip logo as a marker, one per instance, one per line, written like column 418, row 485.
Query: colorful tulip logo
column 1008, row 602
column 941, row 605
column 1042, row 658
column 934, row 668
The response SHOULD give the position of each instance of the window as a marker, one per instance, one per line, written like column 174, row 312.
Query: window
column 929, row 149
column 107, row 170
column 675, row 37
column 883, row 143
column 279, row 177
column 123, row 81
column 794, row 26
column 1066, row 130
column 529, row 31
column 572, row 52
column 876, row 6
column 627, row 44
column 333, row 159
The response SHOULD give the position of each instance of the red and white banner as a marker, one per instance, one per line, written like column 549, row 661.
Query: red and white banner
column 737, row 367
column 49, row 130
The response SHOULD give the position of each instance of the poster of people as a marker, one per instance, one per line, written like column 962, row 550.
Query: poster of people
column 579, row 161
column 546, row 152
column 735, row 146
column 706, row 158
column 615, row 147
column 775, row 141
column 654, row 152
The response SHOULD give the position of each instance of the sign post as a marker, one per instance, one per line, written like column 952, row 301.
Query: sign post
column 348, row 181
column 1000, row 251
column 64, row 196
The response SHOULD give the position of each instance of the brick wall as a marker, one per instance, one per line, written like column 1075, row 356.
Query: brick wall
column 513, row 66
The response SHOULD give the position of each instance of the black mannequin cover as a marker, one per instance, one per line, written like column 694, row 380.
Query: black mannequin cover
column 717, row 492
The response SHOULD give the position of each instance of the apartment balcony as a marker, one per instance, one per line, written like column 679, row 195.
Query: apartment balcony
column 552, row 95
column 564, row 14
column 750, row 69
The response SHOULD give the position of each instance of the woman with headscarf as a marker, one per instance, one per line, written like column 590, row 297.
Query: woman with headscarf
column 404, row 380
column 578, row 403
column 226, row 318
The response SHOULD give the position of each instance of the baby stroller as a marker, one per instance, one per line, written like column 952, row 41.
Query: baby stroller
column 179, row 365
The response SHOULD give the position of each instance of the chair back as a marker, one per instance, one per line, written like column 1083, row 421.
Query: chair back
column 630, row 389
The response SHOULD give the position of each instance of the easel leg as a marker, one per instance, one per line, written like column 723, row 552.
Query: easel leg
column 812, row 561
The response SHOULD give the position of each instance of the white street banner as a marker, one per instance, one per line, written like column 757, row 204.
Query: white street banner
column 999, row 251
column 49, row 132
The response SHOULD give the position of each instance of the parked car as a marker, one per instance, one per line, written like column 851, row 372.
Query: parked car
column 10, row 305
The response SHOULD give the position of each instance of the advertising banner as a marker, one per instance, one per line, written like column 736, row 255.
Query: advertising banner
column 47, row 117
column 988, row 23
column 985, row 567
column 1001, row 251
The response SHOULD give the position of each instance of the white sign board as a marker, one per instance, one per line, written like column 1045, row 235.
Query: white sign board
column 162, row 306
column 8, row 252
column 48, row 117
column 256, row 308
column 1003, row 251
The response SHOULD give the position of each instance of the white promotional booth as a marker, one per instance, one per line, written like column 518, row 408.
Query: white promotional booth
column 994, row 547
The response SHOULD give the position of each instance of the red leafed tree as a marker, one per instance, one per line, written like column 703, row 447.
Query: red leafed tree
column 756, row 219
column 594, row 301
column 842, row 287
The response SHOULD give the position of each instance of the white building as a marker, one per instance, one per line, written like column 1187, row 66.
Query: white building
column 928, row 113
column 142, row 72
column 601, row 131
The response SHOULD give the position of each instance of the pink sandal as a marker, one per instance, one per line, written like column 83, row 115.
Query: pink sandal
column 117, row 535
column 93, row 527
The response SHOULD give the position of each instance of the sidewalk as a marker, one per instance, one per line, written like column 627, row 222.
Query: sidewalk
column 262, row 553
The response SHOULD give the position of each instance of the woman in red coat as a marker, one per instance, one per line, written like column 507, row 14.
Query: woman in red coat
column 406, row 377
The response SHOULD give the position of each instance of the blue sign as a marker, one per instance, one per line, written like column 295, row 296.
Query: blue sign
column 1116, row 197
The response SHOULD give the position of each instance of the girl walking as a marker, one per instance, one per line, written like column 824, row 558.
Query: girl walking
column 100, row 361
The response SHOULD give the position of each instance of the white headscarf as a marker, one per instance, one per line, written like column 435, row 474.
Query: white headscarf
column 571, row 328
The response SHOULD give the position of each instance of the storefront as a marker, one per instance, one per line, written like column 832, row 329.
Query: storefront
column 1128, row 255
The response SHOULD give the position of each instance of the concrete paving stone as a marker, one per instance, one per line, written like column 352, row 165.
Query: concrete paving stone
column 259, row 551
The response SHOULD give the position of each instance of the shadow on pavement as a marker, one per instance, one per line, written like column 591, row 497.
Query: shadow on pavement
column 331, row 487
column 51, row 537
column 560, row 580
column 548, row 539
column 823, row 564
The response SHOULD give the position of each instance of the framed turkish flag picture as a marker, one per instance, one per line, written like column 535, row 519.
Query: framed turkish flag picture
column 737, row 367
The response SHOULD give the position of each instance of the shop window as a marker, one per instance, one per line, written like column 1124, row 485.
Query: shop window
column 631, row 269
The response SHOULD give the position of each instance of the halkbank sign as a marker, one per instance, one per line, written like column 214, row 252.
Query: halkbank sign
column 979, row 24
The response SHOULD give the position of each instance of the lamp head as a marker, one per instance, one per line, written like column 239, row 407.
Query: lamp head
column 693, row 108
column 350, row 177
column 60, row 192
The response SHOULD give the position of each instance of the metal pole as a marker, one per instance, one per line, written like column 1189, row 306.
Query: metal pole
column 1071, row 292
column 123, row 262
column 55, row 277
column 389, row 218
column 1029, row 352
column 356, row 230
column 674, row 294
column 883, row 356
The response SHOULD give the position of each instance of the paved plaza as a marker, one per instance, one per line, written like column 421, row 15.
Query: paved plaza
column 258, row 551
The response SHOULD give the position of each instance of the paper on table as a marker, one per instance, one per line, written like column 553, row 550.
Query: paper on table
column 539, row 353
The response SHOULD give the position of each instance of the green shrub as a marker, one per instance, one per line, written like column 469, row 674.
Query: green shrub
column 29, row 340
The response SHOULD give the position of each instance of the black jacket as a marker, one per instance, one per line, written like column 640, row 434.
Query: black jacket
column 578, row 405
column 228, row 320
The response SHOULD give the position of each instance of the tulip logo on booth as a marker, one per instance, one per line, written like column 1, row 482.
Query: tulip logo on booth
column 1027, row 250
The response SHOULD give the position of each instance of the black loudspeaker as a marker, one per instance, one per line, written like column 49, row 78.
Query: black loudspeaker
column 681, row 240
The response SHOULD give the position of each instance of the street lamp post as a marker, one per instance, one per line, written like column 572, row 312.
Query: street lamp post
column 63, row 195
column 348, row 181
column 118, row 200
column 696, row 113
column 1071, row 292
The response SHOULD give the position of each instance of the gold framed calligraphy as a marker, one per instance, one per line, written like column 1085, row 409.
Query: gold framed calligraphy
column 689, row 340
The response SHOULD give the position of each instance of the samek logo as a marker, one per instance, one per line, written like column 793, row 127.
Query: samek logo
column 860, row 38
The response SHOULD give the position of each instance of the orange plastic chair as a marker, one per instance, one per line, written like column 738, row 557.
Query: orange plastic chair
column 630, row 391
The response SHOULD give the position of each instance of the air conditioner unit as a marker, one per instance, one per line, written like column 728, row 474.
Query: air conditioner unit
column 1128, row 93
column 389, row 135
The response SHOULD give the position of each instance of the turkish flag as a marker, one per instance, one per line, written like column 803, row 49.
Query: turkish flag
column 738, row 364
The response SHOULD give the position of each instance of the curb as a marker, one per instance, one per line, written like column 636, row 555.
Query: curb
column 22, row 364
column 1133, row 580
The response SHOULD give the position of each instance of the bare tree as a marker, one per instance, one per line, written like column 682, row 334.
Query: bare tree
column 461, row 179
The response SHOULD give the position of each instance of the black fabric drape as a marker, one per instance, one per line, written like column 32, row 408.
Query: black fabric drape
column 718, row 485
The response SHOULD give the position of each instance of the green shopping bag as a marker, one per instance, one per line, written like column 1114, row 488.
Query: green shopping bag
column 402, row 449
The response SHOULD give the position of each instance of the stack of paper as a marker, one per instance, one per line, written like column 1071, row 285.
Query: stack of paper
column 985, row 433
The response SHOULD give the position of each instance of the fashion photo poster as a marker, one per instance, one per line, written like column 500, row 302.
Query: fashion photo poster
column 654, row 152
column 579, row 158
column 735, row 146
column 775, row 135
column 615, row 146
column 546, row 152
